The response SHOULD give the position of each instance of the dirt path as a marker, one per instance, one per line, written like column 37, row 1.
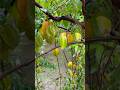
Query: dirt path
column 50, row 79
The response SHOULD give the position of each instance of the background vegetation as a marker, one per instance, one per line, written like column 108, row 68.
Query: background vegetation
column 59, row 33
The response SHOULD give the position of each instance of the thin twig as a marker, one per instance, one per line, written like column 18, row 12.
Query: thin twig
column 26, row 64
column 59, row 71
column 32, row 61
column 65, row 59
column 64, row 28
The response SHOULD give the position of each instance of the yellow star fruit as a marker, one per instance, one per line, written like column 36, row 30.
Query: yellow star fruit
column 70, row 38
column 56, row 52
column 78, row 36
column 63, row 40
column 44, row 27
column 70, row 64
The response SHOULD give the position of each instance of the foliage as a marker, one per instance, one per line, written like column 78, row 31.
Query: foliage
column 100, row 55
column 65, row 36
column 76, row 69
column 16, row 16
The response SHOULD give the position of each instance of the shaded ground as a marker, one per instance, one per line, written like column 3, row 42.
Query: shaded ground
column 23, row 53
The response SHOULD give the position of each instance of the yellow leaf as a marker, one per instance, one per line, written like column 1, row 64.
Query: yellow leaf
column 74, row 66
column 71, row 73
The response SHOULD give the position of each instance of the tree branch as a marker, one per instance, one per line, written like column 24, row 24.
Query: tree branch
column 27, row 63
column 58, row 19
column 67, row 30
column 32, row 61
column 102, row 39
